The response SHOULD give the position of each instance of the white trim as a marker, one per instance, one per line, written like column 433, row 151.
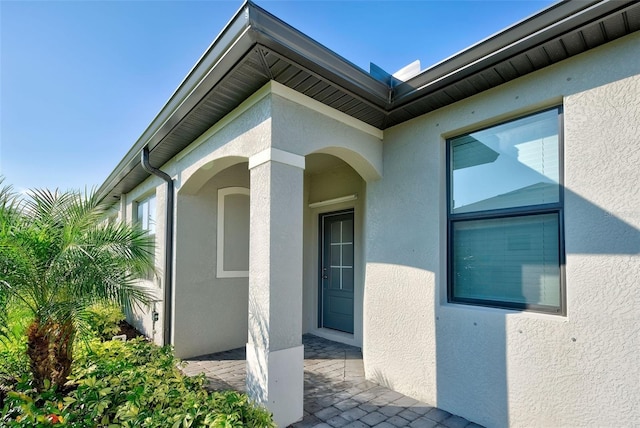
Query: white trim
column 276, row 155
column 334, row 201
column 297, row 97
column 283, row 91
column 220, row 272
column 278, row 379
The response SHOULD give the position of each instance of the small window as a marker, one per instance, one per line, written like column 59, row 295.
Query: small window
column 146, row 218
column 146, row 214
column 233, row 232
column 505, row 215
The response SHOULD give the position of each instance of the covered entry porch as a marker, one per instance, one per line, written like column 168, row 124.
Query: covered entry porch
column 253, row 267
column 336, row 393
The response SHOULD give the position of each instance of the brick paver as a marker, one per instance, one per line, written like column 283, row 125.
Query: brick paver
column 336, row 394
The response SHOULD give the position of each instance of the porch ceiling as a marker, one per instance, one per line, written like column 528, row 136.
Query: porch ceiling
column 256, row 47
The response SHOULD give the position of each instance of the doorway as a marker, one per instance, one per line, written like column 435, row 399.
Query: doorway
column 336, row 276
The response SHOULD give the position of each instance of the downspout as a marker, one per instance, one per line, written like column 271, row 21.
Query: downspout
column 168, row 245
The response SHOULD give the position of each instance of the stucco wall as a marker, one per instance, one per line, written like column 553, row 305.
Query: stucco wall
column 499, row 367
column 322, row 186
column 229, row 142
column 300, row 126
column 305, row 127
column 210, row 312
column 142, row 317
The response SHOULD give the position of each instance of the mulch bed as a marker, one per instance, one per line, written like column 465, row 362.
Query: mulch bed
column 128, row 330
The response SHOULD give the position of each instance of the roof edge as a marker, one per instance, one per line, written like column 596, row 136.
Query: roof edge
column 224, row 41
column 556, row 18
column 249, row 26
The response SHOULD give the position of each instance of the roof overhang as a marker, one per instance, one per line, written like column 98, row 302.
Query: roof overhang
column 256, row 47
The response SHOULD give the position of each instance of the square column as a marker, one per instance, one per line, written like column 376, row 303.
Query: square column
column 275, row 355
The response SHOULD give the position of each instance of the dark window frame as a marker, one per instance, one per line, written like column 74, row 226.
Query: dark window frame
column 513, row 212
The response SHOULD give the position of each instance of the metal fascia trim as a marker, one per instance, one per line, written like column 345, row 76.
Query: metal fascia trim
column 193, row 84
column 280, row 37
column 556, row 20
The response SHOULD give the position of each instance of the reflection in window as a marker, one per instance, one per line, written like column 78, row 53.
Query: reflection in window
column 509, row 165
column 505, row 215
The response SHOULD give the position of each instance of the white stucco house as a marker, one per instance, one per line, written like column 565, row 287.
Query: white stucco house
column 474, row 226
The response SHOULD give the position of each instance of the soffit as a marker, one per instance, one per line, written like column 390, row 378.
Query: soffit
column 257, row 47
column 573, row 28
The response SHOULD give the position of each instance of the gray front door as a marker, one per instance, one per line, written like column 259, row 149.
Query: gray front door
column 336, row 271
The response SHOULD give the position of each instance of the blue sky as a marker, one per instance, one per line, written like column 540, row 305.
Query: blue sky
column 81, row 80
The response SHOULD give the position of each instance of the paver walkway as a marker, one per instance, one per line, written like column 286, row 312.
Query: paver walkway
column 336, row 393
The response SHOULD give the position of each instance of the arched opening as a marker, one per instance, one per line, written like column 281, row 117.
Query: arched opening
column 333, row 248
column 211, row 261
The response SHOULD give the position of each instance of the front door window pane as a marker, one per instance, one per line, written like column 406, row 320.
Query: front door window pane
column 336, row 232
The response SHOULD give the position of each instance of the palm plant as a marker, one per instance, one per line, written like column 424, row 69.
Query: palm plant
column 59, row 254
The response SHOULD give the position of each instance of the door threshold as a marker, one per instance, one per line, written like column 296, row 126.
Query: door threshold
column 336, row 336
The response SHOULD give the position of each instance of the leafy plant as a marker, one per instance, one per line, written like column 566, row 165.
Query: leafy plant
column 13, row 344
column 13, row 361
column 131, row 384
column 58, row 256
column 104, row 319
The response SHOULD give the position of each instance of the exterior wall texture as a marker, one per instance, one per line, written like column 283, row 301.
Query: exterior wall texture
column 142, row 318
column 510, row 368
column 211, row 312
column 200, row 324
column 492, row 366
column 326, row 185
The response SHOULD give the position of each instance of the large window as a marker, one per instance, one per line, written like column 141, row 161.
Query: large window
column 505, row 215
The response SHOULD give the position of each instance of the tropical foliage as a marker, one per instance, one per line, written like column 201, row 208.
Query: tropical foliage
column 104, row 319
column 59, row 255
column 129, row 384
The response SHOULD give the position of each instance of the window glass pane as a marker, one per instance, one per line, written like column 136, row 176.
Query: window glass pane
column 347, row 255
column 347, row 279
column 146, row 217
column 140, row 213
column 336, row 260
column 151, row 219
column 143, row 208
column 336, row 231
column 146, row 214
column 347, row 231
column 510, row 165
column 513, row 260
column 335, row 278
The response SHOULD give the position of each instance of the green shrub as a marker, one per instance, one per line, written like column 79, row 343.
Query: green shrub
column 13, row 344
column 13, row 360
column 130, row 384
column 104, row 320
